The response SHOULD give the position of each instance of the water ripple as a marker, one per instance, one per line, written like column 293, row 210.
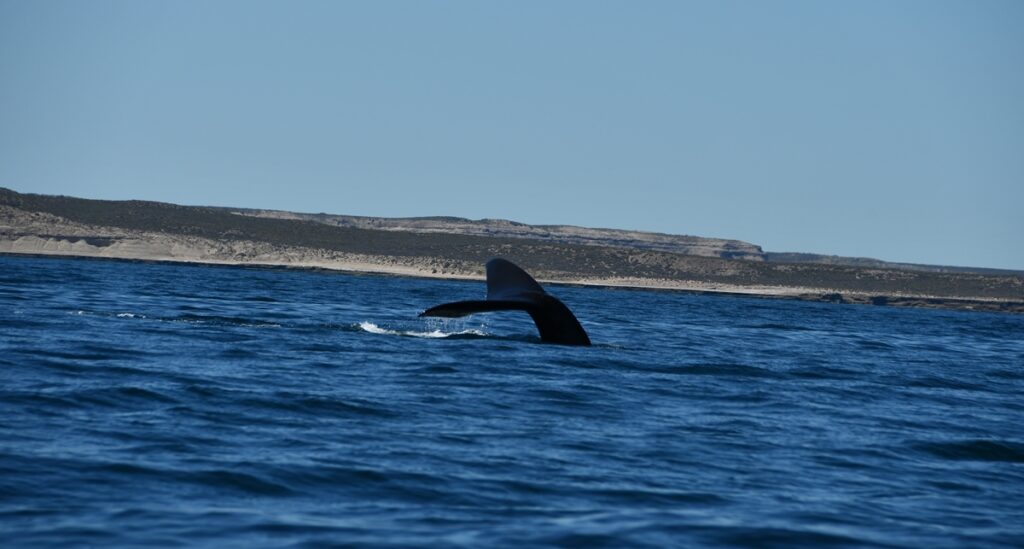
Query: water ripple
column 163, row 405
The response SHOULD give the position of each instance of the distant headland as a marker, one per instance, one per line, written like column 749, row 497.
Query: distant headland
column 447, row 247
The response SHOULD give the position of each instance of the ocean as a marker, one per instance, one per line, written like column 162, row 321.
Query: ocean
column 148, row 404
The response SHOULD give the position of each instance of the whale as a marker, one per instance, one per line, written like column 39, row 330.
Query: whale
column 510, row 288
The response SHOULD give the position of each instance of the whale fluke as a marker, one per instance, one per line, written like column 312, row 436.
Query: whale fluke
column 510, row 288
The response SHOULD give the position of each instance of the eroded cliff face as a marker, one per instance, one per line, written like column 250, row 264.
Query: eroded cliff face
column 39, row 232
column 564, row 234
column 25, row 232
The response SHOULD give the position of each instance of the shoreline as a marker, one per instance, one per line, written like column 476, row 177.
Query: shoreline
column 147, row 231
column 367, row 266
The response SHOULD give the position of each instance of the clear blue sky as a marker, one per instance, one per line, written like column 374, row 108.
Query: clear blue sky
column 889, row 129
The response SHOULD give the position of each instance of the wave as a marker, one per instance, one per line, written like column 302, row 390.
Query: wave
column 201, row 319
column 217, row 320
column 436, row 333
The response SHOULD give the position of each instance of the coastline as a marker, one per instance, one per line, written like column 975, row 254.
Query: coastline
column 143, row 231
column 390, row 266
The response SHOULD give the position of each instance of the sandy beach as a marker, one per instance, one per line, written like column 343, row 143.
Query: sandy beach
column 169, row 248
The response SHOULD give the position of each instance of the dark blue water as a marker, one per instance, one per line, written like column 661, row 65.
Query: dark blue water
column 149, row 404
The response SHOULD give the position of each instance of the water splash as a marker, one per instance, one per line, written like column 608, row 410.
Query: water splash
column 432, row 331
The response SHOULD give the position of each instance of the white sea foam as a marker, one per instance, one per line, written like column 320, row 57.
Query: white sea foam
column 372, row 328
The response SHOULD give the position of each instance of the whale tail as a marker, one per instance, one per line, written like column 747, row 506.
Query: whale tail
column 510, row 288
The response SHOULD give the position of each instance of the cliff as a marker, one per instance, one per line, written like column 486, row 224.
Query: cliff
column 563, row 234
